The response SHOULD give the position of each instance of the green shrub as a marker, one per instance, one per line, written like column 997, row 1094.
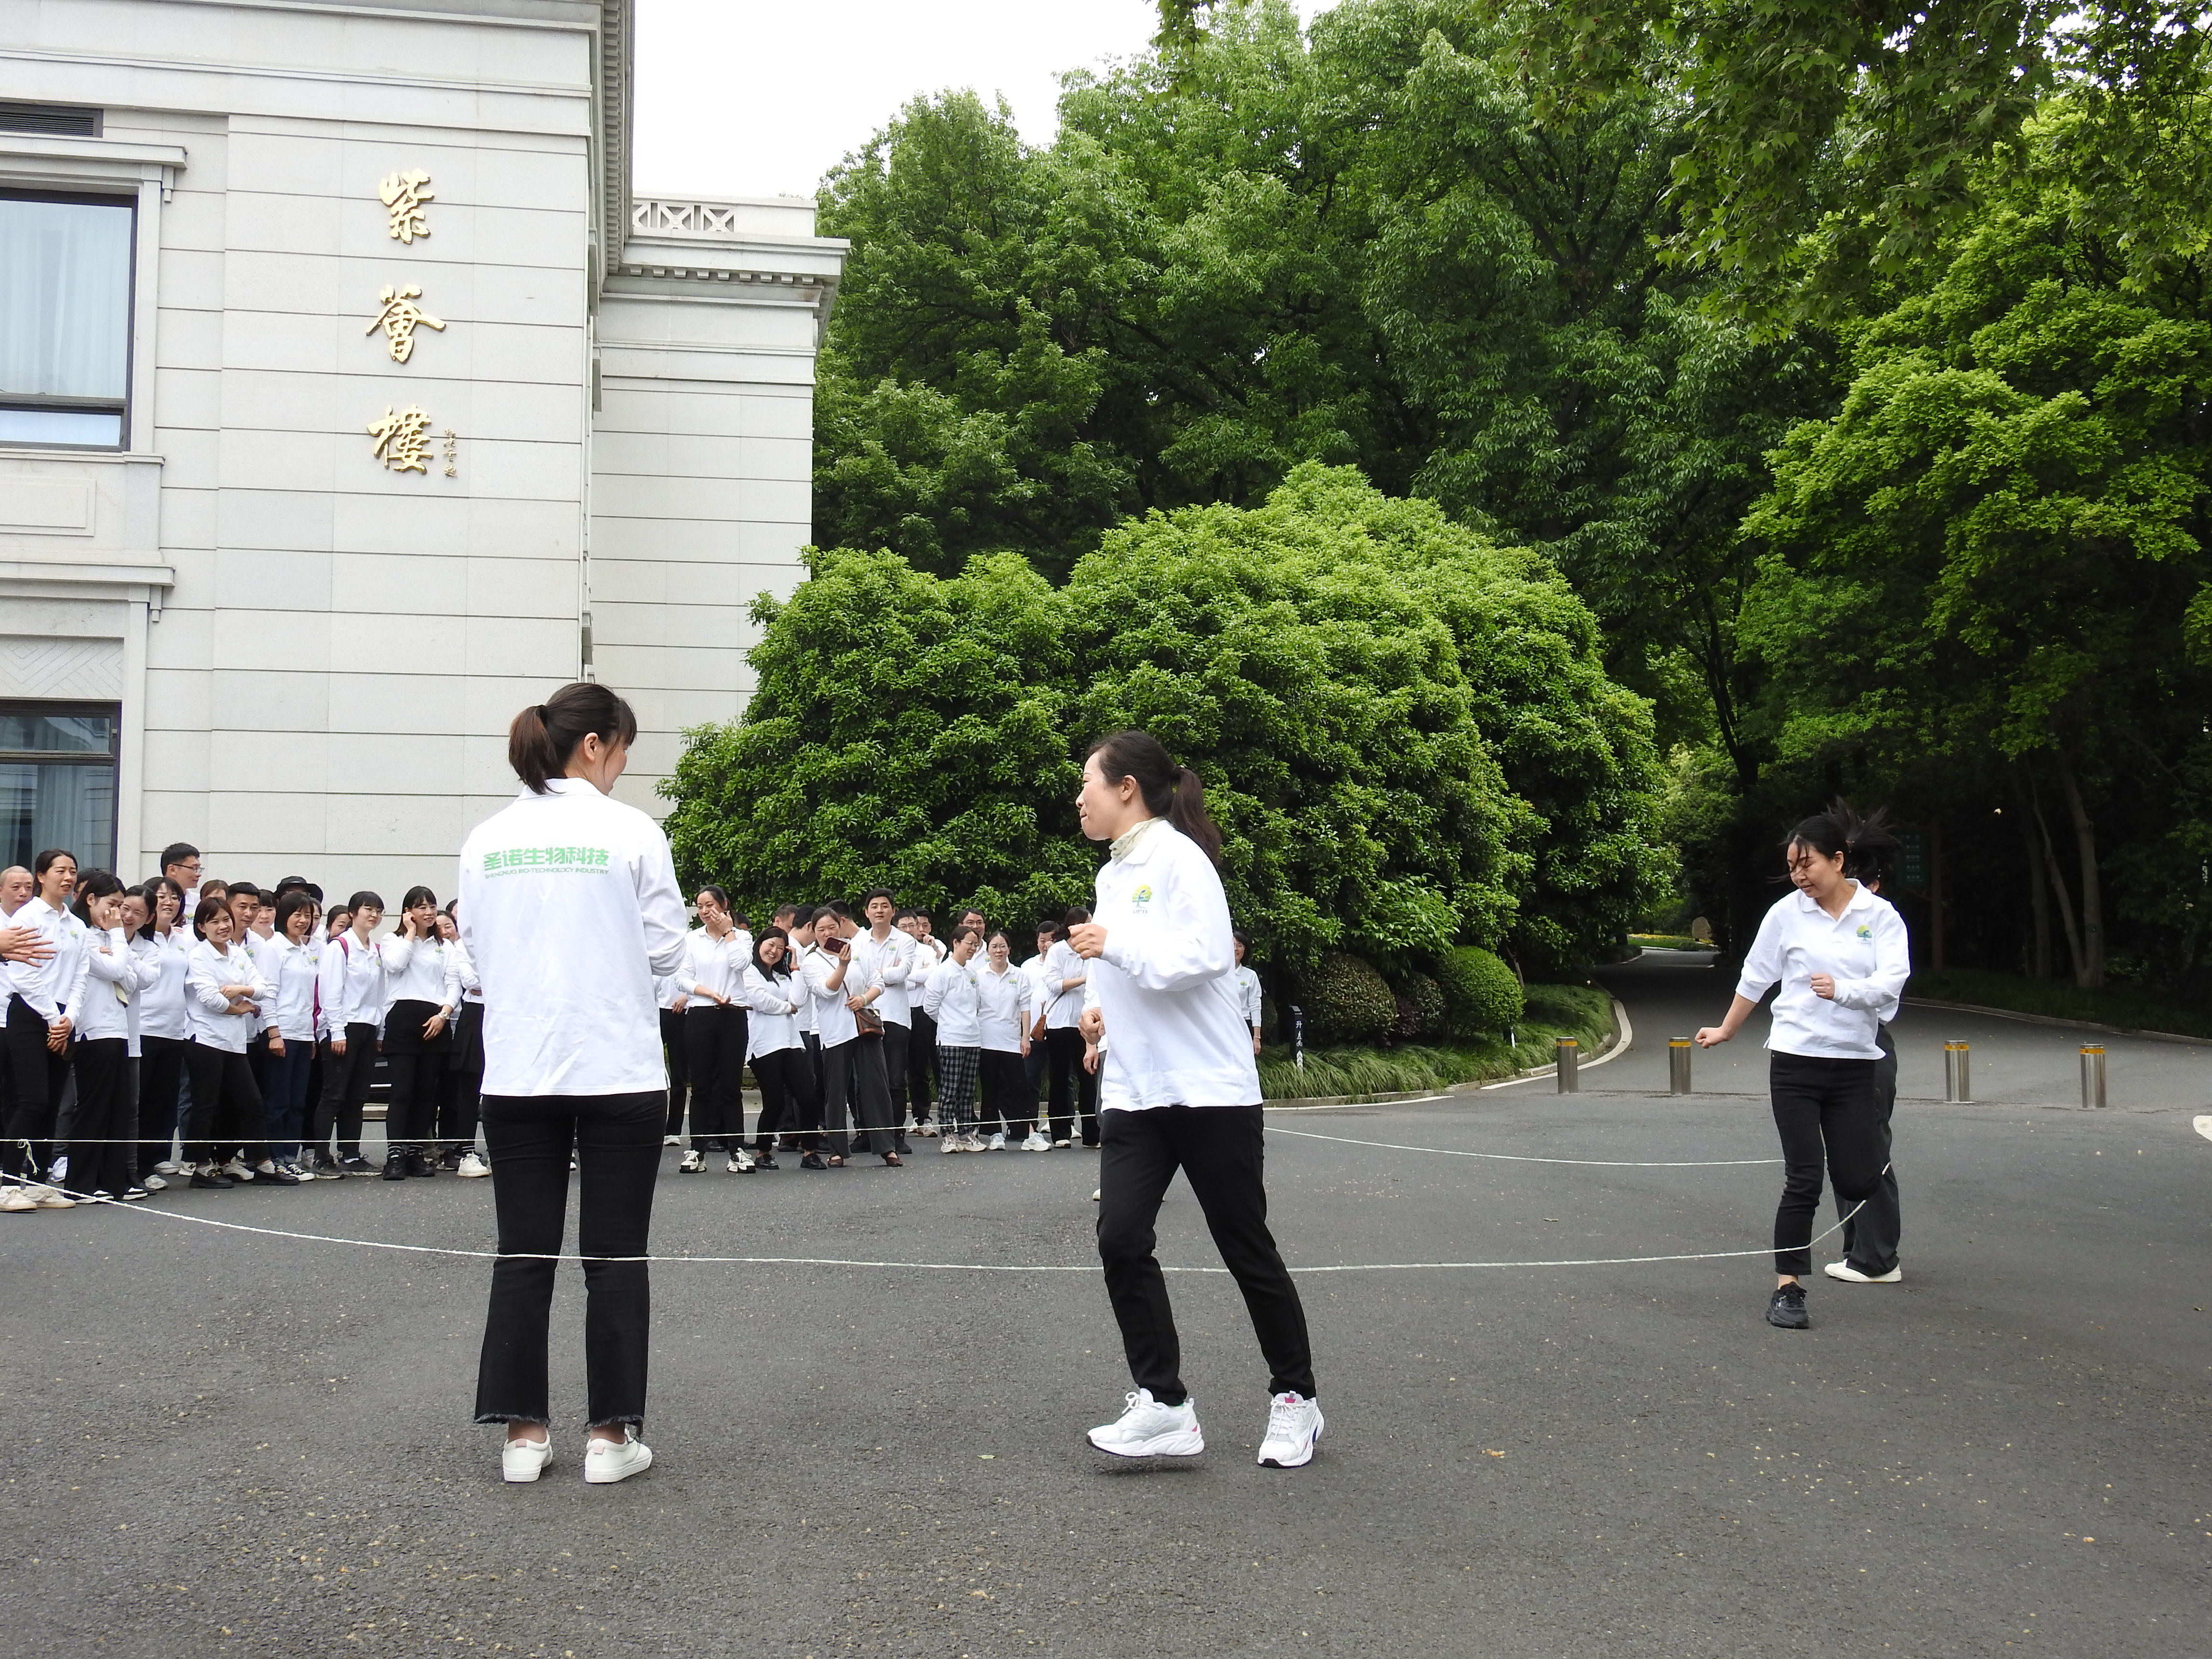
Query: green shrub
column 1420, row 1004
column 1347, row 1001
column 1482, row 995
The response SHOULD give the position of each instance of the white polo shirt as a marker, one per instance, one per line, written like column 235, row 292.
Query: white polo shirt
column 1864, row 950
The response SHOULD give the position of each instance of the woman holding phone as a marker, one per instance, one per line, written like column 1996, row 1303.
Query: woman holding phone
column 418, row 1005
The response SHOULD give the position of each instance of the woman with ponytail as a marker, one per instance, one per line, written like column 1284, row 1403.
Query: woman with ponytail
column 1178, row 1090
column 1841, row 958
column 102, row 1153
column 569, row 911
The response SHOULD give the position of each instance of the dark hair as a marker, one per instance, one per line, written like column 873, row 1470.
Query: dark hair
column 1074, row 916
column 244, row 887
column 419, row 896
column 782, row 964
column 804, row 917
column 1171, row 792
column 364, row 897
column 150, row 891
column 1866, row 842
column 209, row 909
column 290, row 906
column 995, row 933
column 783, row 910
column 717, row 894
column 216, row 883
column 330, row 916
column 299, row 884
column 959, row 934
column 1238, row 934
column 838, row 909
column 544, row 735
column 875, row 893
column 45, row 861
column 1050, row 925
column 178, row 851
column 91, row 884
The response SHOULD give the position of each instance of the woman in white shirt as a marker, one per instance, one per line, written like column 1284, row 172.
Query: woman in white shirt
column 460, row 1100
column 953, row 999
column 774, row 999
column 1074, row 1090
column 163, row 1027
column 417, row 1009
column 101, row 1158
column 1841, row 957
column 569, row 910
column 227, row 1002
column 1003, row 1000
column 716, row 956
column 38, row 1026
column 1178, row 1089
column 349, row 996
column 291, row 959
column 921, row 1030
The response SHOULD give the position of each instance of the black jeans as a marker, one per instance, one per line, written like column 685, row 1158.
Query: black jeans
column 617, row 1142
column 284, row 1098
column 461, row 1096
column 1006, row 1095
column 222, row 1093
column 856, row 1068
column 161, row 1068
column 345, row 1090
column 35, row 1076
column 787, row 1097
column 103, row 1114
column 715, row 1059
column 1221, row 1151
column 897, row 1039
column 1072, row 1086
column 675, row 1047
column 920, row 1063
column 414, row 1065
column 1821, row 1106
column 1870, row 1236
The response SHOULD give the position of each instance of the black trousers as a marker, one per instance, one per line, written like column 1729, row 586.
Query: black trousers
column 616, row 1140
column 921, row 1063
column 414, row 1065
column 714, row 1060
column 1074, row 1091
column 1870, row 1236
column 35, row 1076
column 460, row 1093
column 1221, row 1151
column 676, row 1046
column 223, row 1093
column 855, row 1069
column 104, row 1116
column 897, row 1040
column 161, row 1069
column 1007, row 1098
column 1826, row 1112
column 345, row 1090
column 787, row 1097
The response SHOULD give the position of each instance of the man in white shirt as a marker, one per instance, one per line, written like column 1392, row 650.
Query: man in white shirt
column 37, row 1031
column 922, row 1044
column 846, row 975
column 890, row 955
column 1247, row 987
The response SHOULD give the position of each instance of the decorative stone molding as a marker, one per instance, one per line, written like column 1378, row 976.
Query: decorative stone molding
column 86, row 669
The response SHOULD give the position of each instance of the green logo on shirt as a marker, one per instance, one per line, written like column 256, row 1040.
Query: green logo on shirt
column 1142, row 895
column 554, row 861
column 1865, row 932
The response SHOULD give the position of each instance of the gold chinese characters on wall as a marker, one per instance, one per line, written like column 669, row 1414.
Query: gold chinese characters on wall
column 401, row 439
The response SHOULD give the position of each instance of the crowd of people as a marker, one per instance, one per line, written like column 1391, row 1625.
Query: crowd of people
column 192, row 1030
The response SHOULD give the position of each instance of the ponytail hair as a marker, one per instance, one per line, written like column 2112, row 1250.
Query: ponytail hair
column 544, row 735
column 1171, row 792
column 1866, row 841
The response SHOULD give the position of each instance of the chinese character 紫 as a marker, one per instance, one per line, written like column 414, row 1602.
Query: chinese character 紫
column 402, row 195
column 399, row 318
column 403, row 439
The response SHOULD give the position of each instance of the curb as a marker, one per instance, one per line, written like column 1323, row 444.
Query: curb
column 2053, row 1019
column 1624, row 1034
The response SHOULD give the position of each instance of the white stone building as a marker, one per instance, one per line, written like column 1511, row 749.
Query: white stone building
column 275, row 573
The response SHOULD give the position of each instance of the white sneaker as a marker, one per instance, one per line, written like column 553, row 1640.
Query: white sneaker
column 1851, row 1275
column 1059, row 1146
column 1293, row 1424
column 154, row 1183
column 1096, row 1193
column 58, row 1171
column 741, row 1162
column 526, row 1459
column 953, row 1144
column 694, row 1161
column 975, row 1143
column 671, row 1140
column 472, row 1165
column 1148, row 1429
column 1037, row 1143
column 996, row 1143
column 606, row 1461
column 237, row 1171
column 13, row 1197
column 167, row 1166
column 48, row 1198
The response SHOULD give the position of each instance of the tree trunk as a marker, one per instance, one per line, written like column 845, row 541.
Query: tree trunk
column 2038, row 891
column 2090, row 973
column 2057, row 882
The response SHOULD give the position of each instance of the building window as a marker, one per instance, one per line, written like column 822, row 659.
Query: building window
column 64, row 318
column 57, row 781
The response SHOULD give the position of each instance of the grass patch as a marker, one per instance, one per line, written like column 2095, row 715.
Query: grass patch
column 1583, row 1012
column 2128, row 1007
column 1667, row 942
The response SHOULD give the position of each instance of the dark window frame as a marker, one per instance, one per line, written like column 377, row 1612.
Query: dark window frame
column 112, row 758
column 120, row 408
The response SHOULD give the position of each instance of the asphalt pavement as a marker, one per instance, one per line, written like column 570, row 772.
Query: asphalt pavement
column 234, row 1443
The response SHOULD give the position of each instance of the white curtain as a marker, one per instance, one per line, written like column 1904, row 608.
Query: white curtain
column 64, row 298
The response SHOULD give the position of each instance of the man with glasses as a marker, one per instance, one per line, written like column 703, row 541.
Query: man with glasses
column 180, row 863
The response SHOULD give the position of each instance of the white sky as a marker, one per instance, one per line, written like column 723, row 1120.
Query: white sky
column 753, row 98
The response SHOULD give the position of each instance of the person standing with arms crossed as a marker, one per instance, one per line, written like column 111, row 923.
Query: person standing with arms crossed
column 569, row 910
column 1178, row 1090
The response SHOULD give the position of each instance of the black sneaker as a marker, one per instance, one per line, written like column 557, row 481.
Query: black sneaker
column 1786, row 1308
column 763, row 1161
column 419, row 1165
column 356, row 1165
column 395, row 1167
column 812, row 1161
column 327, row 1168
column 216, row 1181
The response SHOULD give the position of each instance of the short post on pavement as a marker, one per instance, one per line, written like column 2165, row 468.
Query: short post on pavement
column 1569, row 1055
column 1957, row 1083
column 1678, row 1066
column 2093, row 1075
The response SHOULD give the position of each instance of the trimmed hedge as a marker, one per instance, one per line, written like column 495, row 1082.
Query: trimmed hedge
column 1482, row 996
column 1347, row 1001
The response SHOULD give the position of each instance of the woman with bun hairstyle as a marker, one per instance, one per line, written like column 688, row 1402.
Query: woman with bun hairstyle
column 1841, row 957
column 1178, row 1090
column 569, row 910
column 227, row 1002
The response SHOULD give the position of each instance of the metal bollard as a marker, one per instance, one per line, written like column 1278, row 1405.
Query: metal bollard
column 2093, row 1075
column 1678, row 1066
column 1569, row 1055
column 1958, row 1082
